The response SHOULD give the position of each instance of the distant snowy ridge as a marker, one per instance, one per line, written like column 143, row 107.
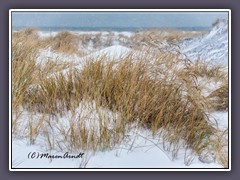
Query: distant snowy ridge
column 111, row 52
column 211, row 47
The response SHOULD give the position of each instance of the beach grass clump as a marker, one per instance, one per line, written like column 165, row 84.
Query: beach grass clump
column 219, row 97
column 212, row 75
column 127, row 88
column 24, row 53
column 65, row 42
column 208, row 70
column 28, row 33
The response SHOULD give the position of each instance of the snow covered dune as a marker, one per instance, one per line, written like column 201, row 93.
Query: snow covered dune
column 212, row 46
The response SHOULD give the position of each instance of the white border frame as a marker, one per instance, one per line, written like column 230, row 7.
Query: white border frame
column 118, row 10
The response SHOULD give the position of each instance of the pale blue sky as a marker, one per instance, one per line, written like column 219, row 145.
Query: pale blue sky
column 116, row 19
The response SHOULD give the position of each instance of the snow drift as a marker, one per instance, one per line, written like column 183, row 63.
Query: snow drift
column 212, row 46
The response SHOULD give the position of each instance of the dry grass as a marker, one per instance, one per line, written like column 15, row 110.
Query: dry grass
column 156, row 90
column 24, row 53
column 29, row 33
column 73, row 43
column 219, row 97
column 170, row 36
column 210, row 71
column 65, row 42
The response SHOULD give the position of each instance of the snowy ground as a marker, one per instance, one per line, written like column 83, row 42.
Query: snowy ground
column 145, row 152
column 141, row 150
column 145, row 155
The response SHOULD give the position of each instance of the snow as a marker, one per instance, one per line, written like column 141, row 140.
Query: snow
column 45, row 34
column 115, row 52
column 208, row 85
column 211, row 47
column 140, row 150
column 115, row 33
column 46, row 55
column 112, row 52
column 220, row 119
column 145, row 153
column 21, row 150
column 146, row 156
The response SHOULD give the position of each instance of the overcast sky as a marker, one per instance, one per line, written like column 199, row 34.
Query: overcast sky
column 116, row 19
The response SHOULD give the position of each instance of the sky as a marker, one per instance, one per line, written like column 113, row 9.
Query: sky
column 116, row 19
